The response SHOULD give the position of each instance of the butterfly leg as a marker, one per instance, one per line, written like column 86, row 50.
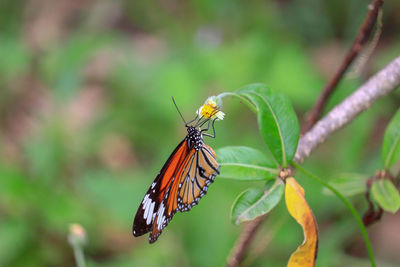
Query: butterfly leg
column 208, row 127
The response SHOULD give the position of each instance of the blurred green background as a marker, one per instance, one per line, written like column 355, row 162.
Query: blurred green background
column 87, row 122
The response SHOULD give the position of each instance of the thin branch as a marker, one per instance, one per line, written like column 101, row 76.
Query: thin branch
column 379, row 85
column 360, row 63
column 358, row 44
column 244, row 240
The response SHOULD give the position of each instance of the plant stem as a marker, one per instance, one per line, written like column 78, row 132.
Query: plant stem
column 357, row 46
column 379, row 85
column 79, row 256
column 348, row 205
column 245, row 100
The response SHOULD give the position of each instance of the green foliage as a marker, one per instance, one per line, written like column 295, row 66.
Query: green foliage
column 386, row 195
column 86, row 121
column 14, row 59
column 245, row 163
column 348, row 184
column 280, row 130
column 14, row 236
column 63, row 67
column 255, row 202
column 391, row 142
column 277, row 121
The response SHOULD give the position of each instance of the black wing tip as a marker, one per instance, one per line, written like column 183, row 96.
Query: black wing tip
column 136, row 233
column 139, row 231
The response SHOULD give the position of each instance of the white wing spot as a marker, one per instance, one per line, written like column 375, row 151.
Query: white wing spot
column 146, row 201
column 150, row 213
column 161, row 217
column 146, row 210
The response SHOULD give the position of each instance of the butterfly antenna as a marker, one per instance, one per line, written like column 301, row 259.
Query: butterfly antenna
column 173, row 100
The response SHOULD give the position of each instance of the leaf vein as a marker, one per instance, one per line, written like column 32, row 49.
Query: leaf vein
column 251, row 166
column 278, row 126
column 265, row 194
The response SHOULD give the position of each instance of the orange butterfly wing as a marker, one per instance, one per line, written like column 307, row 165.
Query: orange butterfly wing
column 169, row 206
column 201, row 174
column 145, row 214
column 179, row 186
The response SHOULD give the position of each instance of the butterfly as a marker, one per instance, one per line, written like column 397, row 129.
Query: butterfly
column 182, row 181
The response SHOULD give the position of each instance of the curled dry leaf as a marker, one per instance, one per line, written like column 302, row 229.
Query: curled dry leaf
column 306, row 253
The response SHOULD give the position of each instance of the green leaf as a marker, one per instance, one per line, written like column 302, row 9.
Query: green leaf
column 391, row 142
column 245, row 163
column 255, row 202
column 386, row 194
column 348, row 184
column 277, row 120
